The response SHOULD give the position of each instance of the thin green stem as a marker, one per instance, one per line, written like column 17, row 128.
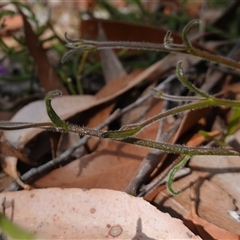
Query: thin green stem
column 165, row 96
column 216, row 58
column 79, row 72
column 63, row 126
column 124, row 132
column 51, row 113
column 203, row 54
column 177, row 149
column 206, row 101
column 210, row 102
column 179, row 163
column 91, row 45
column 188, row 26
column 188, row 84
column 6, row 125
column 167, row 147
column 168, row 43
column 78, row 45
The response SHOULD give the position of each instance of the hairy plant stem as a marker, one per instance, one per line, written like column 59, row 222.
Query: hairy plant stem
column 124, row 134
column 153, row 47
column 177, row 149
column 179, row 163
column 185, row 82
column 159, row 179
column 6, row 125
column 35, row 173
column 206, row 101
column 134, row 128
column 165, row 96
column 78, row 45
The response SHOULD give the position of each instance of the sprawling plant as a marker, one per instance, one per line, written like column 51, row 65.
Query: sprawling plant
column 126, row 133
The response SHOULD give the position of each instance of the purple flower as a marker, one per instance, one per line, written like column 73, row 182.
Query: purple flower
column 3, row 71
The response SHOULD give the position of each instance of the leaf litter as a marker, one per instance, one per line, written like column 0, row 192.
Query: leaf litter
column 111, row 165
column 92, row 214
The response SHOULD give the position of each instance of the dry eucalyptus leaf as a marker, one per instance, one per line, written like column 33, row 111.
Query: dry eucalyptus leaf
column 136, row 114
column 65, row 106
column 206, row 229
column 92, row 214
column 46, row 74
column 5, row 180
column 214, row 223
column 9, row 165
column 123, row 31
column 68, row 106
column 217, row 195
column 111, row 165
column 7, row 149
column 111, row 65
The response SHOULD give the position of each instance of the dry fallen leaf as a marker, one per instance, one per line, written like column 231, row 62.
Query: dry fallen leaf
column 66, row 106
column 206, row 229
column 215, row 179
column 7, row 149
column 111, row 65
column 123, row 31
column 217, row 195
column 9, row 165
column 12, row 23
column 46, row 74
column 111, row 166
column 92, row 214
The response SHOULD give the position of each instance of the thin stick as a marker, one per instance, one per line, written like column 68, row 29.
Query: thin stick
column 151, row 161
column 35, row 173
column 159, row 180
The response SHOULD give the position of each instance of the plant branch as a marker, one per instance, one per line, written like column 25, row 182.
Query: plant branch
column 79, row 45
column 207, row 101
column 6, row 125
column 177, row 149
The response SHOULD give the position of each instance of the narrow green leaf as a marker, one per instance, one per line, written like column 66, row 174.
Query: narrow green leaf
column 234, row 121
column 51, row 113
column 4, row 13
column 182, row 162
column 121, row 134
column 14, row 231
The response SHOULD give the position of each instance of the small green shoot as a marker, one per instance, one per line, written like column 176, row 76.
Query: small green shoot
column 182, row 160
column 13, row 231
column 233, row 124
